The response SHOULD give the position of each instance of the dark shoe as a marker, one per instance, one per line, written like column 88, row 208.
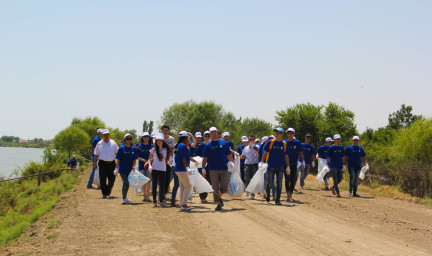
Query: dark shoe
column 356, row 195
column 267, row 198
column 333, row 190
column 221, row 202
column 104, row 197
column 89, row 187
column 278, row 203
column 218, row 207
column 338, row 195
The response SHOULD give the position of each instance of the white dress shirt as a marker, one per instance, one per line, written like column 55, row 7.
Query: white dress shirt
column 252, row 155
column 106, row 150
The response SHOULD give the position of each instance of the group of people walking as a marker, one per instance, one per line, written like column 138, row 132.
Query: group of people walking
column 162, row 159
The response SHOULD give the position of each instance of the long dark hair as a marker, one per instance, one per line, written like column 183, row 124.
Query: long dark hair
column 180, row 140
column 157, row 149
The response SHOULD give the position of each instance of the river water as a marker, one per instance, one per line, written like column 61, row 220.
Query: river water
column 12, row 158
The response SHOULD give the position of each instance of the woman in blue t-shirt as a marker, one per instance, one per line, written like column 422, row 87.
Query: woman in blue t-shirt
column 143, row 156
column 126, row 160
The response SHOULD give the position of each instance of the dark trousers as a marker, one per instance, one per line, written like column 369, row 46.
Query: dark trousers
column 242, row 173
column 175, row 187
column 354, row 173
column 208, row 178
column 106, row 171
column 158, row 177
column 337, row 176
column 269, row 182
column 291, row 179
column 167, row 178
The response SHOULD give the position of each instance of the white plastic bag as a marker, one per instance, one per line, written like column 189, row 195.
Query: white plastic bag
column 138, row 190
column 363, row 172
column 236, row 186
column 136, row 179
column 96, row 179
column 322, row 173
column 198, row 164
column 200, row 183
column 256, row 185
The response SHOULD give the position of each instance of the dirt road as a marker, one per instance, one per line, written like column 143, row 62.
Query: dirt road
column 319, row 224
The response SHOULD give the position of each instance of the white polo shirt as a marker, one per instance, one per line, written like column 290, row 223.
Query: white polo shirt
column 252, row 155
column 106, row 150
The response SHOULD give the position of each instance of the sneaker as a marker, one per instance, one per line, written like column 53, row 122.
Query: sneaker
column 338, row 195
column 108, row 197
column 252, row 197
column 89, row 187
column 174, row 205
column 278, row 203
column 129, row 200
column 204, row 201
column 124, row 201
column 333, row 190
column 349, row 194
column 218, row 207
column 356, row 195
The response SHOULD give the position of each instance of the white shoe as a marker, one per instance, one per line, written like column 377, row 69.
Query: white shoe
column 128, row 200
column 124, row 201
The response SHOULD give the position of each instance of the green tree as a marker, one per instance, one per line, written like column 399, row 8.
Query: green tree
column 175, row 114
column 256, row 126
column 305, row 119
column 402, row 118
column 148, row 126
column 201, row 116
column 338, row 120
column 71, row 139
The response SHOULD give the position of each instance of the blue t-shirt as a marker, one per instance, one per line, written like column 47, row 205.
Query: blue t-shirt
column 261, row 151
column 308, row 151
column 276, row 155
column 216, row 153
column 144, row 153
column 198, row 149
column 94, row 143
column 354, row 155
column 322, row 151
column 336, row 153
column 126, row 156
column 230, row 145
column 182, row 153
column 293, row 150
column 73, row 162
column 240, row 150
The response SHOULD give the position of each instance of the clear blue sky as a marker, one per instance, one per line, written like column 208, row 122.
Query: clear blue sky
column 125, row 61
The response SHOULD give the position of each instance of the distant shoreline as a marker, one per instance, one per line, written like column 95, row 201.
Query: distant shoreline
column 24, row 145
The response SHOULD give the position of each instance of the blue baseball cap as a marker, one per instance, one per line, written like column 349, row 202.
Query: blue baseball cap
column 279, row 129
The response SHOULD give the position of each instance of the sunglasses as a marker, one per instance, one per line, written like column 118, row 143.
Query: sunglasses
column 206, row 135
column 251, row 139
column 128, row 139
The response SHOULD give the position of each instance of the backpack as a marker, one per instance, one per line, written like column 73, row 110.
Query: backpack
column 271, row 145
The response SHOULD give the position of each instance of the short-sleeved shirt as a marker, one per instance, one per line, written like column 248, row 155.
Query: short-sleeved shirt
column 126, row 155
column 293, row 150
column 144, row 152
column 252, row 155
column 199, row 149
column 94, row 143
column 354, row 155
column 73, row 162
column 182, row 153
column 308, row 152
column 322, row 151
column 158, row 164
column 230, row 145
column 276, row 155
column 336, row 153
column 170, row 141
column 216, row 153
column 106, row 150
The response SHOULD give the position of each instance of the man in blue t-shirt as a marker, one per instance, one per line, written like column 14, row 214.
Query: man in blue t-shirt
column 73, row 162
column 276, row 157
column 354, row 154
column 322, row 155
column 293, row 150
column 94, row 143
column 217, row 156
column 309, row 159
column 335, row 161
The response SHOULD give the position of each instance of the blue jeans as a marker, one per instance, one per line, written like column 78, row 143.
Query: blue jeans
column 269, row 176
column 354, row 173
column 337, row 178
column 125, row 187
column 176, row 186
column 273, row 186
column 91, row 178
column 304, row 174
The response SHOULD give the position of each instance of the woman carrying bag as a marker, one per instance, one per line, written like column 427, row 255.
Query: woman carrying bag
column 125, row 161
column 143, row 156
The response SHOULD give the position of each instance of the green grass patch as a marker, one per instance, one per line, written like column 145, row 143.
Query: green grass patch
column 25, row 202
column 375, row 185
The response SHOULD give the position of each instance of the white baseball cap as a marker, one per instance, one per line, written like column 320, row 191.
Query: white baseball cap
column 213, row 129
column 127, row 134
column 153, row 135
column 337, row 136
column 73, row 156
column 328, row 139
column 145, row 134
column 198, row 134
column 291, row 130
column 265, row 138
column 159, row 136
column 206, row 132
column 183, row 134
column 225, row 134
column 99, row 130
column 105, row 131
column 356, row 138
column 272, row 136
column 244, row 138
column 257, row 140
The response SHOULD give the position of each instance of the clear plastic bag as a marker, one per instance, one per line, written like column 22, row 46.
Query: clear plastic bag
column 136, row 179
column 256, row 185
column 96, row 179
column 363, row 172
column 323, row 172
column 200, row 183
column 236, row 186
column 198, row 164
column 138, row 190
